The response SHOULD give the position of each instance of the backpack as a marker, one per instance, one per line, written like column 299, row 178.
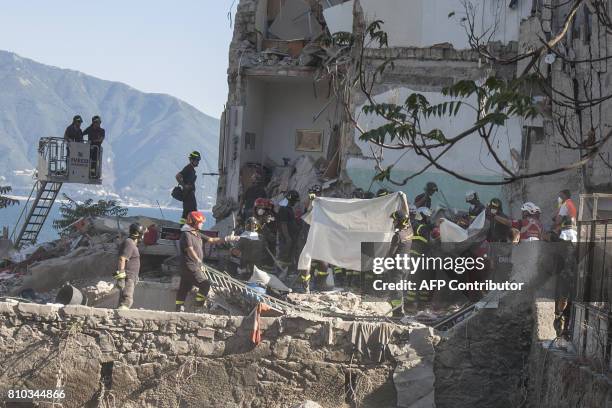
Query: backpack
column 177, row 193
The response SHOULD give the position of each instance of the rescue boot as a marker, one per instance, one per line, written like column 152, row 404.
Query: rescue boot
column 200, row 302
column 305, row 281
column 180, row 306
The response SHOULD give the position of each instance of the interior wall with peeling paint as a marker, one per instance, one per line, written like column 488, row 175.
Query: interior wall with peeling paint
column 409, row 23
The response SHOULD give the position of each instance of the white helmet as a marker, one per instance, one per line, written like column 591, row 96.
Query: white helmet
column 424, row 211
column 412, row 208
column 531, row 208
column 470, row 195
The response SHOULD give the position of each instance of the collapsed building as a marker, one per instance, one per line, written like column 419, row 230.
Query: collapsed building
column 285, row 107
column 285, row 119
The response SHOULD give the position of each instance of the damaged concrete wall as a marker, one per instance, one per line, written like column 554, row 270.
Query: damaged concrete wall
column 484, row 361
column 169, row 359
column 424, row 23
column 580, row 71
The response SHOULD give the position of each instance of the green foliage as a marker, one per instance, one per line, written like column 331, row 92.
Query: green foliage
column 6, row 201
column 71, row 211
column 492, row 102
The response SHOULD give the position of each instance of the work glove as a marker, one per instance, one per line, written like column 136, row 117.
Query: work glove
column 120, row 277
column 231, row 238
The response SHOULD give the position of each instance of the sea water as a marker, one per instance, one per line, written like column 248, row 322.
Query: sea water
column 10, row 215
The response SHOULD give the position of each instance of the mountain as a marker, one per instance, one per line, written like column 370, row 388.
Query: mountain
column 148, row 135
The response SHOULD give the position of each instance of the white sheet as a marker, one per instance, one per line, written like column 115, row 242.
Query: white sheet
column 451, row 232
column 339, row 226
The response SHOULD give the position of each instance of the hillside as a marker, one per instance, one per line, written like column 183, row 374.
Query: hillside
column 147, row 135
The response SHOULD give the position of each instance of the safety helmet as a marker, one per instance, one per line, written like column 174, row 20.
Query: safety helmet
column 77, row 118
column 195, row 155
column 400, row 217
column 412, row 208
column 431, row 186
column 424, row 211
column 96, row 118
column 292, row 195
column 252, row 224
column 263, row 203
column 195, row 218
column 471, row 196
column 137, row 230
column 382, row 192
column 495, row 203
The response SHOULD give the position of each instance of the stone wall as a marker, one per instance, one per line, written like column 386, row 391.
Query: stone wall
column 559, row 380
column 138, row 358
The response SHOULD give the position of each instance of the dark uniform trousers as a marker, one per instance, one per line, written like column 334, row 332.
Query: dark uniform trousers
column 190, row 278
column 189, row 203
column 126, row 296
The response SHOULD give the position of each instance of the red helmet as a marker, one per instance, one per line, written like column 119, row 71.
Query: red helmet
column 195, row 218
column 263, row 203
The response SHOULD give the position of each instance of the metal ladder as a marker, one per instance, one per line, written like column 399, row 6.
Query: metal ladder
column 223, row 282
column 46, row 193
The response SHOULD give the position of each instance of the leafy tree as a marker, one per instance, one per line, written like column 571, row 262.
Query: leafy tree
column 71, row 211
column 6, row 201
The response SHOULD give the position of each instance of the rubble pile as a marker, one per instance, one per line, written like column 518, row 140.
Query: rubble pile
column 83, row 256
column 342, row 302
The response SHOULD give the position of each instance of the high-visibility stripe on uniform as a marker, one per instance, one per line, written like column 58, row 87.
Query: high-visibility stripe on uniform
column 396, row 302
column 321, row 273
column 180, row 302
column 200, row 297
column 417, row 236
column 120, row 275
column 305, row 278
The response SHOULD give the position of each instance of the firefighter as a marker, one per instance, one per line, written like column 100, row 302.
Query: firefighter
column 476, row 207
column 500, row 226
column 420, row 299
column 567, row 209
column 95, row 134
column 191, row 246
column 73, row 132
column 287, row 229
column 263, row 211
column 129, row 266
column 400, row 245
column 424, row 199
column 530, row 227
column 187, row 180
column 252, row 248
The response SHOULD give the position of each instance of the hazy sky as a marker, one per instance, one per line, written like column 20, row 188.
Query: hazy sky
column 174, row 47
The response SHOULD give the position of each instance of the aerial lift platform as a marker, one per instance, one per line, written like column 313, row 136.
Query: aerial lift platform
column 59, row 162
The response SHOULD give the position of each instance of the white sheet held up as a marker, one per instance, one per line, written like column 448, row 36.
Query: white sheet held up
column 339, row 226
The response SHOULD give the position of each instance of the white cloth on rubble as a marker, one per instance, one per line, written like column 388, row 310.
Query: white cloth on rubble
column 339, row 226
column 267, row 280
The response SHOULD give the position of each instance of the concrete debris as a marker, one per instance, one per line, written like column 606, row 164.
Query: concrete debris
column 85, row 254
column 342, row 302
column 308, row 404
